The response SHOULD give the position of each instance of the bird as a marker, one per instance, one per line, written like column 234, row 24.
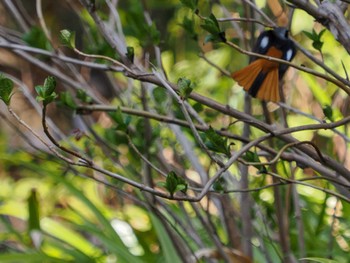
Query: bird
column 261, row 77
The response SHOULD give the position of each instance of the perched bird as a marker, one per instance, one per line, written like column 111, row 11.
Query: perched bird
column 261, row 77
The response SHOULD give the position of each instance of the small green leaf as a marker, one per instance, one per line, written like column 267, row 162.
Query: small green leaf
column 117, row 116
column 83, row 96
column 6, row 88
column 39, row 89
column 321, row 33
column 174, row 183
column 130, row 53
column 188, row 25
column 309, row 35
column 215, row 38
column 317, row 45
column 192, row 4
column 67, row 38
column 160, row 95
column 49, row 85
column 316, row 38
column 211, row 25
column 36, row 37
column 47, row 92
column 216, row 143
column 171, row 183
column 67, row 100
column 185, row 87
column 182, row 185
column 328, row 112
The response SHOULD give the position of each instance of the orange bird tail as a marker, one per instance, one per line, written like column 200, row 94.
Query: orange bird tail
column 259, row 81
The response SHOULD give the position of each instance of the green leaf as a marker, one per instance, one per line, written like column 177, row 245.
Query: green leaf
column 253, row 157
column 35, row 37
column 215, row 142
column 33, row 209
column 309, row 35
column 6, row 88
column 174, row 183
column 160, row 95
column 40, row 90
column 171, row 183
column 188, row 25
column 67, row 38
column 328, row 112
column 185, row 87
column 67, row 100
column 181, row 185
column 49, row 85
column 192, row 4
column 47, row 92
column 316, row 38
column 83, row 96
column 211, row 25
column 117, row 116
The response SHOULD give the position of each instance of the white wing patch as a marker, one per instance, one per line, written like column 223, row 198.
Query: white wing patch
column 289, row 54
column 264, row 42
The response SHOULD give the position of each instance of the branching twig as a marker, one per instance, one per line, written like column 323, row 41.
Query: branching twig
column 346, row 199
column 53, row 140
column 245, row 20
column 284, row 148
column 50, row 147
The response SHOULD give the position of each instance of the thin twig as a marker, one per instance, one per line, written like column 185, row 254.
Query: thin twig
column 53, row 140
column 246, row 20
column 312, row 186
column 132, row 145
column 50, row 147
column 283, row 149
column 42, row 23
